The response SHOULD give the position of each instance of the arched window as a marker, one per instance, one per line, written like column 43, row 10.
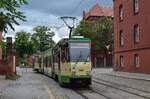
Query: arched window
column 121, row 38
column 121, row 12
column 136, row 33
column 121, row 61
column 136, row 6
column 136, row 60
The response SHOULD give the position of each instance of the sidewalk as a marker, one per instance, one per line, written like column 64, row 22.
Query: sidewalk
column 29, row 86
column 110, row 72
column 4, row 82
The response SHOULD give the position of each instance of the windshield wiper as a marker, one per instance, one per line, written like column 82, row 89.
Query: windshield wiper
column 79, row 57
column 86, row 58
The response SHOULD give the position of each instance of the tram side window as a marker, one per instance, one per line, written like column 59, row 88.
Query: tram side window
column 39, row 61
column 46, row 61
column 49, row 61
column 65, row 54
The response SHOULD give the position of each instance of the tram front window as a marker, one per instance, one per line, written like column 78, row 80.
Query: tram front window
column 80, row 52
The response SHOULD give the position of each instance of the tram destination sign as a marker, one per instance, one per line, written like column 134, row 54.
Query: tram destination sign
column 79, row 45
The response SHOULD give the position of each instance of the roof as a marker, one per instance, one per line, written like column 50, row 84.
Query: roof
column 98, row 11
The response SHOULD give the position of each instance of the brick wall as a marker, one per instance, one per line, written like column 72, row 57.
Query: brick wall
column 7, row 67
column 131, row 48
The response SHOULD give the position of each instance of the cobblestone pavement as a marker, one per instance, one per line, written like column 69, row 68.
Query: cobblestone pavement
column 105, row 85
column 126, row 85
column 29, row 86
column 34, row 86
column 109, row 71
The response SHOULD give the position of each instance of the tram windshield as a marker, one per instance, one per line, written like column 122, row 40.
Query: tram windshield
column 80, row 52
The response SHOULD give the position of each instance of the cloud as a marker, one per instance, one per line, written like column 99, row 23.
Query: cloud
column 64, row 7
column 47, row 13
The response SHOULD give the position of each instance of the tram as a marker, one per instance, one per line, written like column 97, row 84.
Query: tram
column 68, row 62
column 42, row 62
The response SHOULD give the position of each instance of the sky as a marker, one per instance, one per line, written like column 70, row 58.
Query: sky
column 48, row 13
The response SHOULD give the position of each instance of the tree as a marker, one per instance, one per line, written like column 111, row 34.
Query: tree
column 10, row 14
column 43, row 38
column 23, row 44
column 99, row 31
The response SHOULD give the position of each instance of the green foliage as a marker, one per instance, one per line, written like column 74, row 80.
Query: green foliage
column 3, row 45
column 23, row 44
column 42, row 38
column 10, row 14
column 99, row 31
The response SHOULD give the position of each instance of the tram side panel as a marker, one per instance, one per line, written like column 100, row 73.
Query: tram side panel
column 49, row 66
column 65, row 67
column 36, row 63
column 55, row 65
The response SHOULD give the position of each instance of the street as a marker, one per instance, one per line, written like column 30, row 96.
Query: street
column 32, row 85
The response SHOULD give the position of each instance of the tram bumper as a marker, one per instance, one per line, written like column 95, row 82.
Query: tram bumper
column 81, row 80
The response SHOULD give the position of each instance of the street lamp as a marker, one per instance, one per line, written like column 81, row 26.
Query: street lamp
column 107, row 47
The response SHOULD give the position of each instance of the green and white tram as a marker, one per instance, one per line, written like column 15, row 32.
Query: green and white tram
column 72, row 61
column 68, row 62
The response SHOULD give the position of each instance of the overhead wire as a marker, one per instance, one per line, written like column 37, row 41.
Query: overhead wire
column 77, row 7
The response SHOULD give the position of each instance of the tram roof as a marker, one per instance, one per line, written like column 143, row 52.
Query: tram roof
column 79, row 40
column 47, row 52
column 67, row 40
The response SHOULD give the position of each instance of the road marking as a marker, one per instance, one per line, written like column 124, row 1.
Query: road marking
column 49, row 92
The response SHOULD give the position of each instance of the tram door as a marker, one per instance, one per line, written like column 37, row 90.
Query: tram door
column 59, row 60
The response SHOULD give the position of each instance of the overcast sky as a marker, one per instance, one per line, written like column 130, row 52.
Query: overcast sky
column 47, row 12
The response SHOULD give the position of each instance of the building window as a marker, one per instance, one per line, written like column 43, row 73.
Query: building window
column 136, row 6
column 136, row 60
column 121, row 38
column 136, row 33
column 121, row 12
column 121, row 61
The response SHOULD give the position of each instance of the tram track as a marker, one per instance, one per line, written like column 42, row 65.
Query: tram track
column 101, row 94
column 124, row 88
column 83, row 93
column 80, row 93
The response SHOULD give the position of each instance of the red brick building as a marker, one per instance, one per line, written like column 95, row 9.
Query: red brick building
column 97, row 12
column 99, row 58
column 132, row 37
